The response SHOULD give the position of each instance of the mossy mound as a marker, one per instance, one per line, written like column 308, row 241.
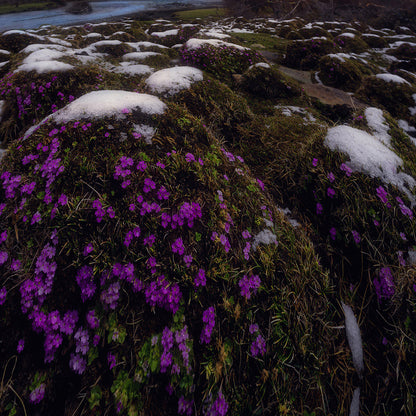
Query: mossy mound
column 28, row 103
column 294, row 35
column 315, row 31
column 404, row 51
column 15, row 41
column 306, row 54
column 393, row 96
column 123, row 37
column 340, row 72
column 162, row 284
column 116, row 50
column 407, row 65
column 375, row 41
column 268, row 82
column 351, row 44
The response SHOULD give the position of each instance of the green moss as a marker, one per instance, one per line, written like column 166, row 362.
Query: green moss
column 200, row 13
column 268, row 83
column 344, row 74
column 404, row 51
column 351, row 44
column 377, row 42
column 392, row 96
column 306, row 54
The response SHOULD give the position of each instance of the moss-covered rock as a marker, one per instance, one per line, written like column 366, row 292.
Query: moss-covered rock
column 375, row 41
column 268, row 82
column 337, row 71
column 404, row 51
column 306, row 54
column 16, row 40
column 352, row 43
column 393, row 96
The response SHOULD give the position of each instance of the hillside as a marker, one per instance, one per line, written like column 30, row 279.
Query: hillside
column 208, row 216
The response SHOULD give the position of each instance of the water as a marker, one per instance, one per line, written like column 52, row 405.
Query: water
column 101, row 10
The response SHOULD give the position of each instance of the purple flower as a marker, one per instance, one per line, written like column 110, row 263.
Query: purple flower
column 188, row 260
column 331, row 177
column 63, row 200
column 219, row 407
column 142, row 166
column 110, row 212
column 92, row 320
column 319, row 208
column 82, row 341
column 68, row 322
column 111, row 359
column 178, row 247
column 249, row 285
column 208, row 317
column 315, row 162
column 403, row 236
column 258, row 346
column 189, row 157
column 37, row 395
column 185, row 406
column 261, row 184
column 246, row 234
column 253, row 328
column 36, row 218
column 20, row 345
column 346, row 169
column 148, row 185
column 356, row 236
column 382, row 194
column 384, row 285
column 330, row 192
column 149, row 240
column 88, row 249
column 333, row 233
column 3, row 294
column 200, row 279
column 15, row 265
column 77, row 363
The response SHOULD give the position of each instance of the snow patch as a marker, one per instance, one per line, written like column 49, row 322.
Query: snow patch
column 355, row 403
column 147, row 132
column 354, row 338
column 169, row 81
column 43, row 67
column 377, row 124
column 370, row 156
column 131, row 69
column 392, row 78
column 194, row 43
column 138, row 55
column 264, row 237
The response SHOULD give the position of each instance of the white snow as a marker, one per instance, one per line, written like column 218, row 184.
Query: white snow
column 129, row 69
column 3, row 63
column 194, row 43
column 264, row 237
column 43, row 67
column 354, row 338
column 347, row 35
column 355, row 403
column 138, row 55
column 43, row 55
column 34, row 47
column 2, row 104
column 404, row 125
column 145, row 131
column 370, row 156
column 412, row 257
column 171, row 32
column 171, row 80
column 98, row 104
column 377, row 124
column 215, row 34
column 4, row 52
column 392, row 78
column 260, row 65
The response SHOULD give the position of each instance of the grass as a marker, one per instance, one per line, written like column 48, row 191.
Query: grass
column 200, row 13
column 27, row 7
column 269, row 41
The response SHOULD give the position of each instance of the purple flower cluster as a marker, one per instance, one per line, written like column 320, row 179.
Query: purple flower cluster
column 110, row 296
column 185, row 406
column 404, row 209
column 249, row 285
column 346, row 169
column 163, row 294
column 122, row 170
column 219, row 407
column 85, row 280
column 258, row 346
column 77, row 363
column 200, row 279
column 208, row 317
column 3, row 294
column 356, row 236
column 383, row 195
column 37, row 395
column 10, row 183
column 384, row 285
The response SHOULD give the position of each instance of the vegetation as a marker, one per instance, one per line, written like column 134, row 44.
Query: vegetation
column 189, row 251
